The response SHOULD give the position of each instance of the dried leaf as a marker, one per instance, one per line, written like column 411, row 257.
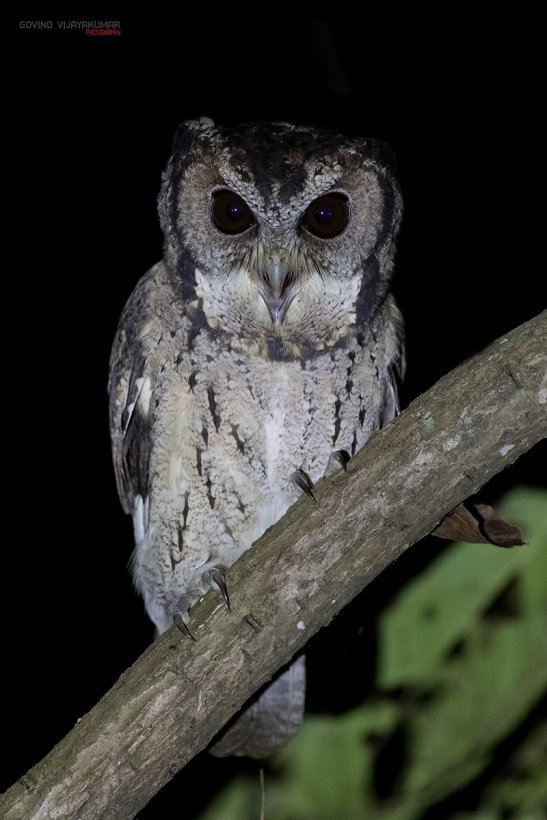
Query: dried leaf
column 478, row 524
column 460, row 525
column 496, row 529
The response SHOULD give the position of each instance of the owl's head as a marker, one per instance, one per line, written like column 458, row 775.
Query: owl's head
column 283, row 235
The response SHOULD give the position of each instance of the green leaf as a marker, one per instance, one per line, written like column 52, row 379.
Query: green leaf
column 327, row 769
column 483, row 687
column 441, row 607
column 239, row 800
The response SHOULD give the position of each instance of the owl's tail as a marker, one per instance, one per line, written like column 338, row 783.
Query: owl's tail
column 270, row 721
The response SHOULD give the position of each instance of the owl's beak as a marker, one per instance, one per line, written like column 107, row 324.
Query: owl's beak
column 275, row 289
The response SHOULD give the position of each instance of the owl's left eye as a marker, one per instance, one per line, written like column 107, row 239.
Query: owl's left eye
column 230, row 213
column 327, row 216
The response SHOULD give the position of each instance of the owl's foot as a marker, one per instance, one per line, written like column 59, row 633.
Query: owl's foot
column 341, row 457
column 214, row 577
column 178, row 620
column 337, row 459
column 302, row 481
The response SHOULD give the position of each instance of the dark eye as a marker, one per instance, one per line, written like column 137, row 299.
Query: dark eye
column 327, row 216
column 229, row 212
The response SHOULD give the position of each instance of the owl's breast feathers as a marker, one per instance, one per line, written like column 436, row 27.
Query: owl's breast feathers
column 205, row 438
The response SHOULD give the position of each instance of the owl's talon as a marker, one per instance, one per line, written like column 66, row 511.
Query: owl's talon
column 342, row 457
column 337, row 459
column 303, row 482
column 215, row 576
column 179, row 623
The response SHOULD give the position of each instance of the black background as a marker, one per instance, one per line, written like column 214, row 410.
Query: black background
column 91, row 121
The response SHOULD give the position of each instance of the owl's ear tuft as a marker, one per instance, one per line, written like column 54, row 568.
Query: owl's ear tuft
column 185, row 136
column 188, row 130
column 382, row 153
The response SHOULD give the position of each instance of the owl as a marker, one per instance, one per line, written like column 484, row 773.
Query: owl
column 257, row 355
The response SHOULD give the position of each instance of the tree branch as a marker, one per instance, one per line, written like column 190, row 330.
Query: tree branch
column 170, row 704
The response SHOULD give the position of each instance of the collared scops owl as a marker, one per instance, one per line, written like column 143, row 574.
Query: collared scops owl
column 262, row 346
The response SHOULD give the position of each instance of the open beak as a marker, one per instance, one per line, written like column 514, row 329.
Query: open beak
column 277, row 288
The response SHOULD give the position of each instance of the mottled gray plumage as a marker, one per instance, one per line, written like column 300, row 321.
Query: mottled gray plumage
column 264, row 341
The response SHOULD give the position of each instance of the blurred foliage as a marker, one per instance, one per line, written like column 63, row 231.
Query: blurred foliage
column 461, row 671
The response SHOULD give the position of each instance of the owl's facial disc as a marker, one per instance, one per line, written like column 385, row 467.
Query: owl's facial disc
column 277, row 288
column 325, row 218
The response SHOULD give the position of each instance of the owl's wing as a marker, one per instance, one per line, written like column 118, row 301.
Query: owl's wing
column 395, row 362
column 129, row 430
column 130, row 388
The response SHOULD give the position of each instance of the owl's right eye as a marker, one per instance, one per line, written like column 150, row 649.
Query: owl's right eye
column 229, row 213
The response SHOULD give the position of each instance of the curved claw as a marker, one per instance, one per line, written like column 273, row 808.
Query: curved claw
column 179, row 623
column 303, row 482
column 216, row 576
column 342, row 457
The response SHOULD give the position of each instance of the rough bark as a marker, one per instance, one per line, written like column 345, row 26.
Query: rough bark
column 170, row 704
